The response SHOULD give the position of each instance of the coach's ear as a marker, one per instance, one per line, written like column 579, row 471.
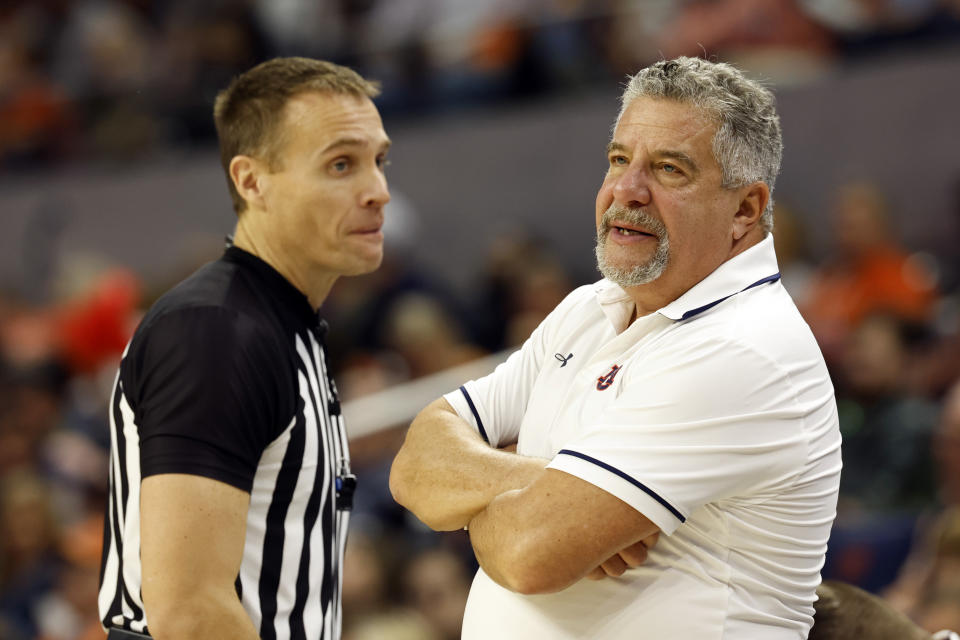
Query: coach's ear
column 247, row 174
column 753, row 200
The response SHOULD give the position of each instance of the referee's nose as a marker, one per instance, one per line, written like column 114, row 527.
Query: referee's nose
column 376, row 193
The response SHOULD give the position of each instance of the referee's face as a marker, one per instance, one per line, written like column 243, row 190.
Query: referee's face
column 663, row 183
column 324, row 198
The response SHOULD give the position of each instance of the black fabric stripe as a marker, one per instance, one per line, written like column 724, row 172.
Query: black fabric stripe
column 297, row 624
column 105, row 549
column 338, row 438
column 116, row 607
column 473, row 409
column 630, row 479
column 328, row 509
column 272, row 560
column 121, row 446
column 328, row 580
column 135, row 611
column 337, row 604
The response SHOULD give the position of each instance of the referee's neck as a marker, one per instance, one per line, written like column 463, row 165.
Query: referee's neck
column 311, row 283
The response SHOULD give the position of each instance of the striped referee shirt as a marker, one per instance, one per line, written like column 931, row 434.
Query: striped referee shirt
column 226, row 378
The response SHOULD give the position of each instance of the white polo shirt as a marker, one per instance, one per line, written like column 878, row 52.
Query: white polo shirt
column 714, row 417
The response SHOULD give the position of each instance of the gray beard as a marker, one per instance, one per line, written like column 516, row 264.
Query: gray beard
column 637, row 274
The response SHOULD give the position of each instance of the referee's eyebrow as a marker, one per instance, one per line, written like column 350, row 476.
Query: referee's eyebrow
column 616, row 146
column 355, row 142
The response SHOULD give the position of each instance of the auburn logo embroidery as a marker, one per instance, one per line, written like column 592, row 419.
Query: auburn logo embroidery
column 604, row 381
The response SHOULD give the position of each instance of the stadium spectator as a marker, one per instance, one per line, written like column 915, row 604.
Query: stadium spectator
column 868, row 272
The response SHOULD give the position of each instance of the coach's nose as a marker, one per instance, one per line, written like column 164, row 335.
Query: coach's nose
column 631, row 187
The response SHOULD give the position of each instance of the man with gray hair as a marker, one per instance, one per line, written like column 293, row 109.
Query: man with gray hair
column 681, row 395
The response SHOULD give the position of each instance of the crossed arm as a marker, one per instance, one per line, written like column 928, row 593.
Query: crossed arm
column 534, row 530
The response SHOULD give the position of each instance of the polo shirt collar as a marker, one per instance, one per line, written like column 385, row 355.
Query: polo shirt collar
column 754, row 267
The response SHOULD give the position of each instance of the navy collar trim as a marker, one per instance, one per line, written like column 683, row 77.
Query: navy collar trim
column 287, row 294
column 692, row 312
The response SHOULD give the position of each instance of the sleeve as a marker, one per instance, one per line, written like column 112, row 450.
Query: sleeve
column 207, row 394
column 495, row 404
column 721, row 421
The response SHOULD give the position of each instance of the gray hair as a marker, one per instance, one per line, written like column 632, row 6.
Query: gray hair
column 748, row 144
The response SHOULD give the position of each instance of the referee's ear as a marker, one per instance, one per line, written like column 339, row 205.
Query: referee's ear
column 246, row 173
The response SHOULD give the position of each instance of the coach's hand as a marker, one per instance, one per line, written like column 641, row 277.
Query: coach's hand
column 632, row 556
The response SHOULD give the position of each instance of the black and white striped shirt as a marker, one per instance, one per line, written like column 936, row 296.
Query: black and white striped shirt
column 226, row 378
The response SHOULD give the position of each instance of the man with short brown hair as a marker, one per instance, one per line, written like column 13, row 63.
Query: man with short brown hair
column 249, row 113
column 230, row 475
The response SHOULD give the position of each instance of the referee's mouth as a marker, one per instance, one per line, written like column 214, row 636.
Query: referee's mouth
column 372, row 231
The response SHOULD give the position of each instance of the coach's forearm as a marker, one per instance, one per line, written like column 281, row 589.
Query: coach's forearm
column 446, row 474
column 511, row 546
column 556, row 530
column 218, row 616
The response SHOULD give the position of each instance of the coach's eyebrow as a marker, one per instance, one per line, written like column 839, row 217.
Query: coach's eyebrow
column 680, row 157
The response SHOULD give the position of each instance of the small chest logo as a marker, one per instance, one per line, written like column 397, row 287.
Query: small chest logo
column 604, row 381
column 563, row 361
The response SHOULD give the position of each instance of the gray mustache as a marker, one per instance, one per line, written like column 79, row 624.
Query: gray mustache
column 631, row 215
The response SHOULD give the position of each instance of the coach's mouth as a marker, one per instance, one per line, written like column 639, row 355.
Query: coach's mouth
column 628, row 230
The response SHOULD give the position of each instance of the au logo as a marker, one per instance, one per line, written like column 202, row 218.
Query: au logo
column 604, row 381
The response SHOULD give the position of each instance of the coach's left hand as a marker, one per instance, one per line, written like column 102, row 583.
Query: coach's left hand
column 628, row 558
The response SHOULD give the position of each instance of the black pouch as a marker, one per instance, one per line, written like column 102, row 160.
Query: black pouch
column 346, row 485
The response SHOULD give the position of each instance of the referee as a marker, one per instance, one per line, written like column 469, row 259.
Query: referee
column 230, row 476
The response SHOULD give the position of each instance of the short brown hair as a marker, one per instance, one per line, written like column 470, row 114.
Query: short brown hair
column 248, row 113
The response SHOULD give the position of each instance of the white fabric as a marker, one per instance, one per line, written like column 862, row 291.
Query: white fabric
column 720, row 427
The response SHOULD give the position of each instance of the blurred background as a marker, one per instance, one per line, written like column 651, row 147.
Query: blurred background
column 111, row 192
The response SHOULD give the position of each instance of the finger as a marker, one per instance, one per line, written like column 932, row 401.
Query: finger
column 614, row 566
column 651, row 540
column 596, row 573
column 634, row 555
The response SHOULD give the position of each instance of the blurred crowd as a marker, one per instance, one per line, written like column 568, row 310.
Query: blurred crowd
column 887, row 318
column 115, row 79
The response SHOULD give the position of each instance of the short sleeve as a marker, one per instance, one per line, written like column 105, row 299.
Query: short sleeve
column 495, row 404
column 205, row 387
column 720, row 422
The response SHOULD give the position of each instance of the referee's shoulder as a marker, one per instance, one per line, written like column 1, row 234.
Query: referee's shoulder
column 215, row 299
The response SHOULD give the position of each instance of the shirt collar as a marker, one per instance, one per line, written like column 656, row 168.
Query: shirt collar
column 277, row 285
column 755, row 266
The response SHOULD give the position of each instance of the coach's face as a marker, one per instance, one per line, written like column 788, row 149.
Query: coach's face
column 664, row 222
column 325, row 193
